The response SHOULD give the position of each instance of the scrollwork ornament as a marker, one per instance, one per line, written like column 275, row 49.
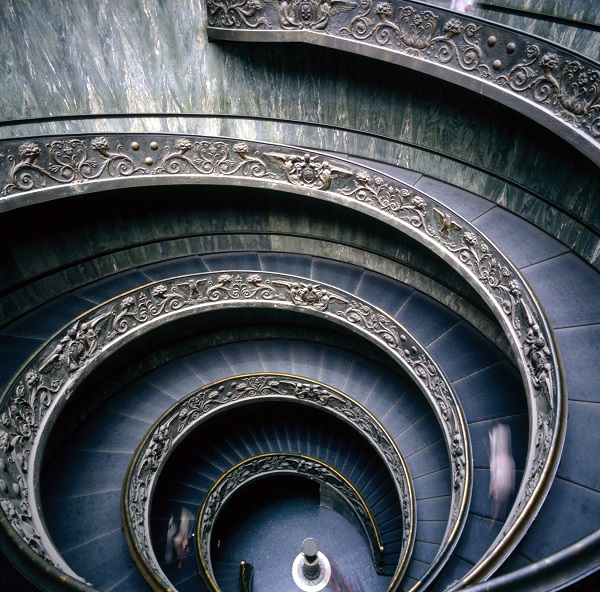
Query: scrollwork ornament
column 422, row 34
column 569, row 87
column 235, row 287
column 136, row 310
column 490, row 270
column 272, row 464
column 373, row 321
column 20, row 422
column 310, row 295
column 236, row 13
column 65, row 162
column 212, row 158
column 389, row 198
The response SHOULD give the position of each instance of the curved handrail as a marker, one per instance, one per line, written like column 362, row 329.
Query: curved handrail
column 44, row 384
column 555, row 572
column 277, row 463
column 275, row 167
column 195, row 409
column 246, row 576
column 553, row 85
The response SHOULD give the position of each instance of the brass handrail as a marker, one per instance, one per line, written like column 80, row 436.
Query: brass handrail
column 246, row 576
column 267, row 465
column 189, row 413
column 552, row 84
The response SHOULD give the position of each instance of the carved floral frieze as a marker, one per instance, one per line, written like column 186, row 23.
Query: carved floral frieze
column 67, row 161
column 29, row 167
column 548, row 76
column 191, row 411
column 270, row 464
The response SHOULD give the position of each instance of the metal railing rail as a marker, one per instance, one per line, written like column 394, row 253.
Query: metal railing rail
column 71, row 166
column 246, row 576
column 277, row 463
column 197, row 408
column 553, row 85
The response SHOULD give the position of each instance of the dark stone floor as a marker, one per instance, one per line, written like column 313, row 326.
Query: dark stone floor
column 266, row 524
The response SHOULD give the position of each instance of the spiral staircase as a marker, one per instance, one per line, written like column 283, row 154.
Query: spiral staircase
column 290, row 290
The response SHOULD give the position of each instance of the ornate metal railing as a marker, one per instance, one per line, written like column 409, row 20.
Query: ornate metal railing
column 43, row 385
column 40, row 170
column 270, row 464
column 197, row 408
column 555, row 86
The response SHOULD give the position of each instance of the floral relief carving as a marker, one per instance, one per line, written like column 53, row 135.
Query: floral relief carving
column 368, row 318
column 197, row 407
column 20, row 420
column 569, row 87
column 212, row 158
column 271, row 464
column 419, row 33
column 238, row 13
column 312, row 295
column 390, row 198
column 228, row 286
column 63, row 162
column 67, row 161
column 496, row 276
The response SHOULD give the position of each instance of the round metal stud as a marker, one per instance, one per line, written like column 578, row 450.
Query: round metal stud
column 496, row 64
column 510, row 47
column 149, row 161
column 154, row 145
column 135, row 145
column 491, row 41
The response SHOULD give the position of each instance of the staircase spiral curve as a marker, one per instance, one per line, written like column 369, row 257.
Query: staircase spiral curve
column 288, row 313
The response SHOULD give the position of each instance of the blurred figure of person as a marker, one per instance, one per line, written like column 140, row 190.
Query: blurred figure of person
column 338, row 581
column 178, row 536
column 462, row 5
column 502, row 467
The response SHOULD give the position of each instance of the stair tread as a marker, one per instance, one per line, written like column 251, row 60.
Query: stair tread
column 425, row 318
column 522, row 242
column 456, row 361
column 580, row 352
column 568, row 289
column 336, row 273
column 174, row 267
column 289, row 263
column 245, row 260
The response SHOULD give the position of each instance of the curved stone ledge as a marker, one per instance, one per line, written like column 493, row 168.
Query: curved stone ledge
column 86, row 164
column 197, row 408
column 42, row 387
column 554, row 86
column 268, row 465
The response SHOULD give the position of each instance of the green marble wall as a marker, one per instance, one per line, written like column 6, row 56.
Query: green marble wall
column 100, row 234
column 147, row 66
column 571, row 23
